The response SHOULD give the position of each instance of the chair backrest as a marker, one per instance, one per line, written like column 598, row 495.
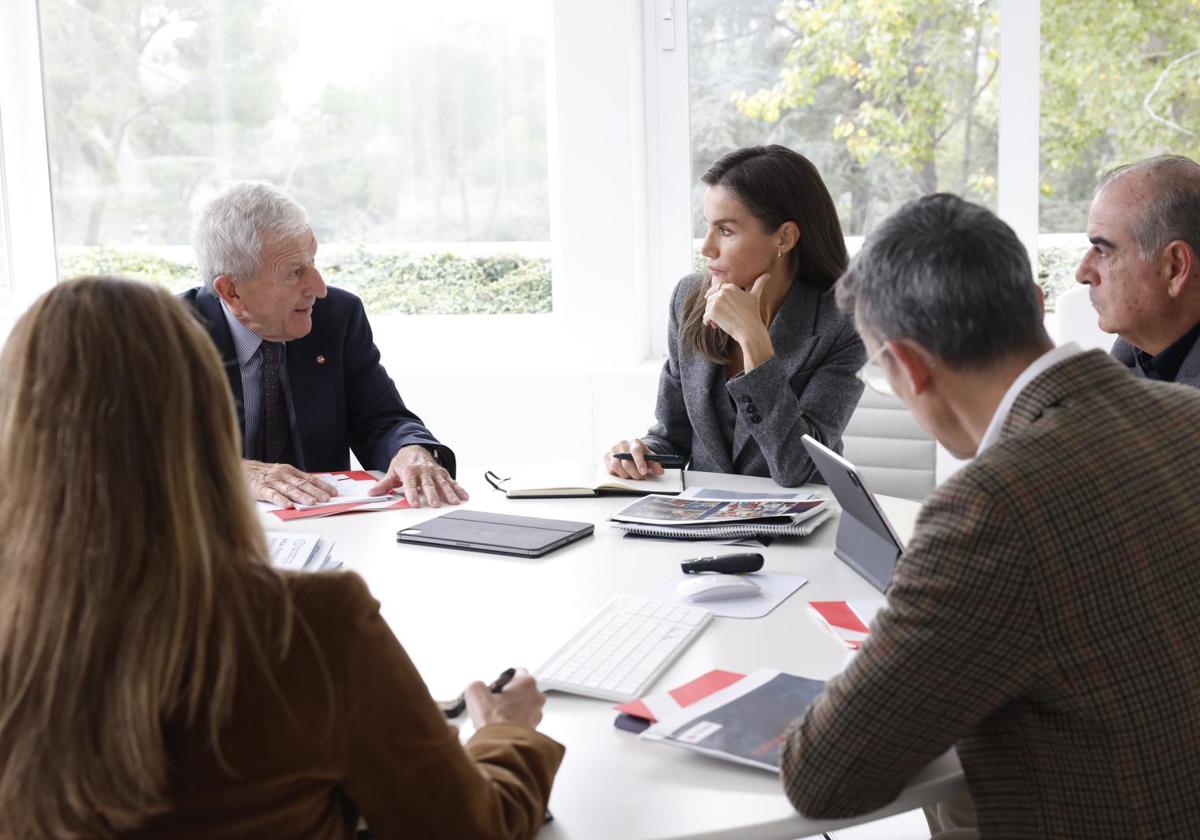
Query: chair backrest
column 894, row 455
column 1076, row 320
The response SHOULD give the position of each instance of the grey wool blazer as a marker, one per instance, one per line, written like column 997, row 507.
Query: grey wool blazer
column 808, row 387
column 1189, row 371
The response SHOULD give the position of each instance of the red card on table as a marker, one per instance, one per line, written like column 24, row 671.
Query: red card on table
column 653, row 706
column 848, row 620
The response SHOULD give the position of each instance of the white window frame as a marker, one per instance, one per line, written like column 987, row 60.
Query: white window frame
column 1018, row 165
column 26, row 163
column 669, row 144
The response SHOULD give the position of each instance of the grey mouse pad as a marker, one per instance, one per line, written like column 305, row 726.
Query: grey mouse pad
column 496, row 533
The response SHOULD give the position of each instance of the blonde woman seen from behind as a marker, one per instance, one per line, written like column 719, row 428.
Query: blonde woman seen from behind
column 157, row 677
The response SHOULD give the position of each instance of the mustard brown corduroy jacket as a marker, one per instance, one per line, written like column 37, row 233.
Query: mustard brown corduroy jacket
column 369, row 742
column 1046, row 620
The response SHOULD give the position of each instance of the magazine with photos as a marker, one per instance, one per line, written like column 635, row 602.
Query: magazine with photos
column 679, row 511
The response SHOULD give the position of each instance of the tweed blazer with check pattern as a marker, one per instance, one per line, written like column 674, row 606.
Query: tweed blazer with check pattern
column 1045, row 620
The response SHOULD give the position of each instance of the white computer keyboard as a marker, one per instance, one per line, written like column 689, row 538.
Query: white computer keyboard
column 623, row 648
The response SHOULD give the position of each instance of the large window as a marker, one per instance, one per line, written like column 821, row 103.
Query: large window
column 415, row 135
column 889, row 100
column 1120, row 82
column 892, row 100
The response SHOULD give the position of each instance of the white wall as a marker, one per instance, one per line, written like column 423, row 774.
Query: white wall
column 530, row 417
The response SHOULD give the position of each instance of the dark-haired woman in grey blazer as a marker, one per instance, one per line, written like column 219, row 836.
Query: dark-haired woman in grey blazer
column 758, row 353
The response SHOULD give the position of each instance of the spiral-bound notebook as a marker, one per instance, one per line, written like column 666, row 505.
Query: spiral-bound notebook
column 724, row 532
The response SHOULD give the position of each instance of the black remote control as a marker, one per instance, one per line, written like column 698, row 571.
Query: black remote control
column 730, row 564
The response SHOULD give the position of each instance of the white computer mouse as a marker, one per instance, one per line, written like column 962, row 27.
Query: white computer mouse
column 717, row 587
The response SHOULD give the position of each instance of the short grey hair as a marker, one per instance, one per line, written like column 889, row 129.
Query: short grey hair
column 1173, row 210
column 949, row 275
column 231, row 230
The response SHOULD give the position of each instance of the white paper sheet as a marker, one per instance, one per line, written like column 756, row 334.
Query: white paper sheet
column 348, row 490
column 308, row 552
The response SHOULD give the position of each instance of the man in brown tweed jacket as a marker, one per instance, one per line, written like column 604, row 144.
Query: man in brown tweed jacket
column 1045, row 616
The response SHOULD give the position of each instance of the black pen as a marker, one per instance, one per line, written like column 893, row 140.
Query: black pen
column 666, row 459
column 458, row 706
column 505, row 677
column 454, row 708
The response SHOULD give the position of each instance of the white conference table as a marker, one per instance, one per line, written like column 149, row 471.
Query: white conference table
column 465, row 615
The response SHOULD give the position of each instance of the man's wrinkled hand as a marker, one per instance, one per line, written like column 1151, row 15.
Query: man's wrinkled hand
column 283, row 484
column 417, row 473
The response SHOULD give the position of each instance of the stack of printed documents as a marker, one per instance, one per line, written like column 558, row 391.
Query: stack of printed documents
column 300, row 552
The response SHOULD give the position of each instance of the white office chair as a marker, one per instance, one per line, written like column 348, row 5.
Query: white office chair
column 895, row 456
column 1076, row 320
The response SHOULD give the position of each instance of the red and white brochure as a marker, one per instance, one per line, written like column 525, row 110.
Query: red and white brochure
column 332, row 507
column 653, row 706
column 849, row 621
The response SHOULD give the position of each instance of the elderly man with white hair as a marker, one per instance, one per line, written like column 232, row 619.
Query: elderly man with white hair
column 301, row 360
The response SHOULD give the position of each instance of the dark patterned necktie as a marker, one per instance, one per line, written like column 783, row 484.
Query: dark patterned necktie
column 274, row 430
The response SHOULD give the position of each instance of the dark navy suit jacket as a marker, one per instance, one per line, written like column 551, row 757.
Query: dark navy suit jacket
column 342, row 397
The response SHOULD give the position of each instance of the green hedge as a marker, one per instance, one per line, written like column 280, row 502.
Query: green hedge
column 401, row 283
column 440, row 283
column 443, row 283
column 1056, row 270
column 124, row 262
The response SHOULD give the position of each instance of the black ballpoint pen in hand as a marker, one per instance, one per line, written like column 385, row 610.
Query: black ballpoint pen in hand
column 505, row 677
column 454, row 708
column 666, row 459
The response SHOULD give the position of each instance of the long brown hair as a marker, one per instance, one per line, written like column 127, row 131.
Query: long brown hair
column 775, row 185
column 133, row 569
